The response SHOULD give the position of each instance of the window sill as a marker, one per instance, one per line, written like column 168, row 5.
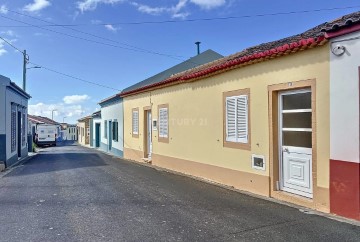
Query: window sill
column 236, row 145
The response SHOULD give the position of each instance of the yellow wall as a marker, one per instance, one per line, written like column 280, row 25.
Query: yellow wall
column 196, row 113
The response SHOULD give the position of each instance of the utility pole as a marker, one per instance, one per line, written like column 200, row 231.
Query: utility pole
column 26, row 59
column 52, row 114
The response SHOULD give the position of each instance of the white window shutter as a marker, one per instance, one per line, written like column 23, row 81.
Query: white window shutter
column 135, row 122
column 231, row 119
column 242, row 119
column 163, row 123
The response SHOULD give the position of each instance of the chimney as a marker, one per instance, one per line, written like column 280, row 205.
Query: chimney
column 198, row 47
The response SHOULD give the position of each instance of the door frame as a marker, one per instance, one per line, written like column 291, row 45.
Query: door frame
column 146, row 125
column 281, row 185
column 273, row 93
column 110, row 135
column 97, row 134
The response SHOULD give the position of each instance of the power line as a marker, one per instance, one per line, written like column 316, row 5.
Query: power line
column 88, row 40
column 90, row 34
column 9, row 43
column 194, row 20
column 58, row 72
column 74, row 77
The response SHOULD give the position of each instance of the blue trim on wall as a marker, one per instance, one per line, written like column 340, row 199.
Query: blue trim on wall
column 91, row 132
column 114, row 151
column 11, row 161
column 2, row 148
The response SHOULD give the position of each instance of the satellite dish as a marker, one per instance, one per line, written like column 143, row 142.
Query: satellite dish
column 338, row 50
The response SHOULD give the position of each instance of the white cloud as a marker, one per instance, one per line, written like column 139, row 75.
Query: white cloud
column 9, row 33
column 208, row 4
column 111, row 28
column 90, row 5
column 3, row 44
column 75, row 99
column 178, row 10
column 4, row 9
column 37, row 5
column 71, row 112
column 2, row 51
column 175, row 11
column 149, row 10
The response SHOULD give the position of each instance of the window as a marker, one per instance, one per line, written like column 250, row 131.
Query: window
column 135, row 122
column 115, row 130
column 23, row 127
column 163, row 123
column 13, row 127
column 105, row 129
column 236, row 120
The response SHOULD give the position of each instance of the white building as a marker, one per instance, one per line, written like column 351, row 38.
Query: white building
column 107, row 132
column 13, row 120
column 68, row 132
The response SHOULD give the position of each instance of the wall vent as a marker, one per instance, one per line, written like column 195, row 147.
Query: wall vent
column 258, row 162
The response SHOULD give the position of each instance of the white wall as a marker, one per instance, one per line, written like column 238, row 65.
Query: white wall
column 2, row 107
column 344, row 99
column 13, row 97
column 111, row 113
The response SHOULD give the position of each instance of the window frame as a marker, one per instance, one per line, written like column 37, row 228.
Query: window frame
column 232, row 144
column 163, row 139
column 105, row 129
column 135, row 135
column 115, row 131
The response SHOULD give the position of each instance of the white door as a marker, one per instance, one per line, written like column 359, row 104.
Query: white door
column 295, row 120
column 149, row 134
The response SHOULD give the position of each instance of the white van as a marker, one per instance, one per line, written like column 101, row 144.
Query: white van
column 45, row 134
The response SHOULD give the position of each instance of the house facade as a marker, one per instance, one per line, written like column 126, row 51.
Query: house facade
column 83, row 131
column 13, row 122
column 68, row 132
column 107, row 126
column 267, row 120
column 344, row 54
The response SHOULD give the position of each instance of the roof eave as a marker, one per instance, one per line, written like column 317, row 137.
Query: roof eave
column 236, row 63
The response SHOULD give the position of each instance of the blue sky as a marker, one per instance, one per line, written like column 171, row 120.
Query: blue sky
column 110, row 62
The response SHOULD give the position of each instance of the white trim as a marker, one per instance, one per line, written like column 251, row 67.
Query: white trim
column 281, row 146
column 253, row 156
column 297, row 111
column 297, row 129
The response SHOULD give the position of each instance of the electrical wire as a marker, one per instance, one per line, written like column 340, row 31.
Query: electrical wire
column 74, row 77
column 92, row 35
column 58, row 72
column 195, row 20
column 9, row 43
column 88, row 40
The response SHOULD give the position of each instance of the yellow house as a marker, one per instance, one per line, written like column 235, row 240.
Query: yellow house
column 83, row 130
column 257, row 120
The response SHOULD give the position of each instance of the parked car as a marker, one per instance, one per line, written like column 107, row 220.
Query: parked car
column 45, row 134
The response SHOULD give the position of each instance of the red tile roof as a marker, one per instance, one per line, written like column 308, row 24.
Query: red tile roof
column 41, row 120
column 309, row 39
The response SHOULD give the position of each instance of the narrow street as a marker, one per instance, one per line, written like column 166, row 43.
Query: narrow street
column 71, row 193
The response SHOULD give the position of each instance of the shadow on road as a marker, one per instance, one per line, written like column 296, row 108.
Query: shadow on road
column 47, row 162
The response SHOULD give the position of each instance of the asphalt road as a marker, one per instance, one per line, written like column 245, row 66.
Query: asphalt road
column 72, row 193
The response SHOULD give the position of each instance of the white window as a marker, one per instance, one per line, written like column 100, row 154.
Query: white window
column 163, row 123
column 135, row 122
column 237, row 119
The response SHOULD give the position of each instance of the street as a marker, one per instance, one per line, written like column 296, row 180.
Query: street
column 72, row 193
